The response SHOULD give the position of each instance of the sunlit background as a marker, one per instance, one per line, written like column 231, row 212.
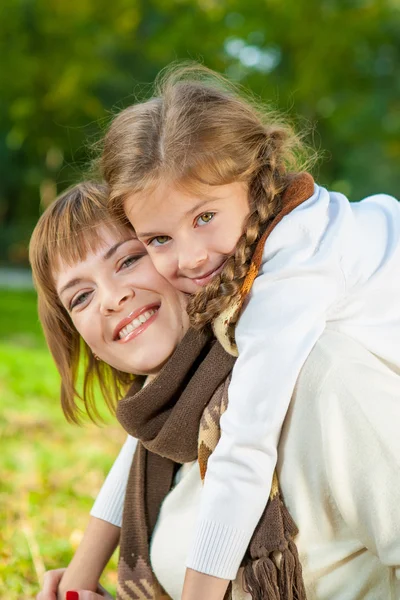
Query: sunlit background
column 66, row 67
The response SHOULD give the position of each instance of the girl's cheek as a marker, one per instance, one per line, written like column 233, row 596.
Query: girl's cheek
column 163, row 265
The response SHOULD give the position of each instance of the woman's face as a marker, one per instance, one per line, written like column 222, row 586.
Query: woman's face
column 126, row 312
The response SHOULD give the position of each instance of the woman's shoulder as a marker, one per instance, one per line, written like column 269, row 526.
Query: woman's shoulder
column 338, row 361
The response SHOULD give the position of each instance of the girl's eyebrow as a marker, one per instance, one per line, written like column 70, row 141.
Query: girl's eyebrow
column 188, row 213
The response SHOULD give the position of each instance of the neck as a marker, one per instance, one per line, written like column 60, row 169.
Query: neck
column 149, row 379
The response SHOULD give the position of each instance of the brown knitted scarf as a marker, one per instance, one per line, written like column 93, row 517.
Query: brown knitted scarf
column 165, row 417
column 176, row 420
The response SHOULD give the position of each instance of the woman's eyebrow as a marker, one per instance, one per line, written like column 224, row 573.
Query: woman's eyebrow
column 111, row 251
column 68, row 285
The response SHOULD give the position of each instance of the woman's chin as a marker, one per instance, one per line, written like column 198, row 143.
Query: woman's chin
column 148, row 363
column 151, row 366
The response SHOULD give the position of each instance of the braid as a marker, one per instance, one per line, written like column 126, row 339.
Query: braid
column 265, row 201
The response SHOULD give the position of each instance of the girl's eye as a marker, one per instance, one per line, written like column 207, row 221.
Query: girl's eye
column 79, row 300
column 159, row 240
column 205, row 218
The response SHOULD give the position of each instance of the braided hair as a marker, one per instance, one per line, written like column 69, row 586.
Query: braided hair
column 264, row 191
column 200, row 129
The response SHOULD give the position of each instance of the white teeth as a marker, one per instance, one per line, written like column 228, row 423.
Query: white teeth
column 136, row 323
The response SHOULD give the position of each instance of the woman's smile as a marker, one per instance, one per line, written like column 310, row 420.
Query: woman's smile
column 135, row 323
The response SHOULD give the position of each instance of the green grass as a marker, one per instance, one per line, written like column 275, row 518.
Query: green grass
column 50, row 470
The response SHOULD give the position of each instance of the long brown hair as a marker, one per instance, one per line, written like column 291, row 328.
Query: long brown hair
column 199, row 128
column 68, row 229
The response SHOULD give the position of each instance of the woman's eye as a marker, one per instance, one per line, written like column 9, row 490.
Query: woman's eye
column 130, row 261
column 205, row 218
column 79, row 300
column 159, row 240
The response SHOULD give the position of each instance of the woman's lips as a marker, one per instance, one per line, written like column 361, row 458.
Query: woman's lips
column 135, row 323
column 133, row 334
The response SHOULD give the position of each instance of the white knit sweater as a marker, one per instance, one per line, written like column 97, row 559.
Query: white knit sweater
column 327, row 264
column 339, row 469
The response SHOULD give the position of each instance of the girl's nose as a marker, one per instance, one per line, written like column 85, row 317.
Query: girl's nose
column 192, row 258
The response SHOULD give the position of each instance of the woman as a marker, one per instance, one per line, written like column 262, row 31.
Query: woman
column 349, row 531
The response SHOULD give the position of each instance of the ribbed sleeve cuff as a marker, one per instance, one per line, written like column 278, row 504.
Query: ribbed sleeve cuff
column 217, row 550
column 110, row 507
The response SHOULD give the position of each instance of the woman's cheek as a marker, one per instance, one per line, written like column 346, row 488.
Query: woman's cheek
column 88, row 330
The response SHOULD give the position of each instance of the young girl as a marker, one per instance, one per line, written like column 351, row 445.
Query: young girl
column 200, row 172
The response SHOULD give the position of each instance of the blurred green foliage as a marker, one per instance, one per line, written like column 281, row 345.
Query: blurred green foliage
column 65, row 66
column 50, row 470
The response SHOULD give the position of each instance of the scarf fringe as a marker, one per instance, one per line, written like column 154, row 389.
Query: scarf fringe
column 263, row 579
column 290, row 574
column 260, row 579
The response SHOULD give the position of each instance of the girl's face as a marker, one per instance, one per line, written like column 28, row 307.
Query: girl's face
column 127, row 313
column 189, row 238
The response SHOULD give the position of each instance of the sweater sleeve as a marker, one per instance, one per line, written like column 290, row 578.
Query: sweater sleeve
column 359, row 415
column 299, row 281
column 109, row 503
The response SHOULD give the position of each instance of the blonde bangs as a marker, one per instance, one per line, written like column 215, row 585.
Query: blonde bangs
column 69, row 229
column 75, row 240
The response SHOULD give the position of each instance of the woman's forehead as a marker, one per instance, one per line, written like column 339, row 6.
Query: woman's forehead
column 76, row 248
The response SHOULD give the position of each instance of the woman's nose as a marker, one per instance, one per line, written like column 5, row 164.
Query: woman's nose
column 114, row 300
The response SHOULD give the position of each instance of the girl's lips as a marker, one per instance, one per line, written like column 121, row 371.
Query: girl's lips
column 133, row 334
column 202, row 281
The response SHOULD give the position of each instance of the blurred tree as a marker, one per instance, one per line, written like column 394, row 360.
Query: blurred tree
column 65, row 66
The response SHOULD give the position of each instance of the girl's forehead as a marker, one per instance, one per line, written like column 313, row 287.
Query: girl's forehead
column 178, row 195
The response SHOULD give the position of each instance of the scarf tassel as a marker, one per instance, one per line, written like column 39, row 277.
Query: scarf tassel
column 263, row 579
column 260, row 579
column 290, row 574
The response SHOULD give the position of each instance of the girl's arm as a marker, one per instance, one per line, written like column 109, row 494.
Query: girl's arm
column 198, row 586
column 300, row 280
